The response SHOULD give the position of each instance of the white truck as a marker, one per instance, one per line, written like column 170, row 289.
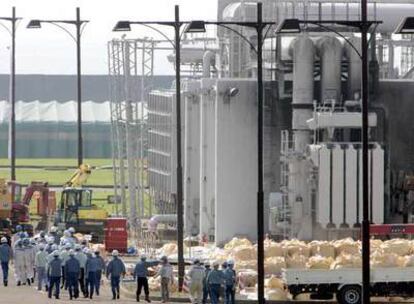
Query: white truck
column 346, row 283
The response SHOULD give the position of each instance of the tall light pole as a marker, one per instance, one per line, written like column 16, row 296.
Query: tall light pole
column 79, row 24
column 259, row 26
column 176, row 24
column 12, row 93
column 365, row 170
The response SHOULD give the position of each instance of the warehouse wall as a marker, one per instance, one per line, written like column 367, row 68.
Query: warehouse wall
column 44, row 140
column 63, row 87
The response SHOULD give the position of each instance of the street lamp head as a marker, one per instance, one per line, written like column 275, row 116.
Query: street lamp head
column 406, row 26
column 233, row 92
column 34, row 24
column 196, row 26
column 288, row 26
column 122, row 26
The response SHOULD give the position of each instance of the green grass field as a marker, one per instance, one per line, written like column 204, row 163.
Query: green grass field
column 102, row 175
column 96, row 162
column 55, row 176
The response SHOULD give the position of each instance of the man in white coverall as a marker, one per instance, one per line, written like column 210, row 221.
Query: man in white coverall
column 19, row 268
column 28, row 261
column 196, row 275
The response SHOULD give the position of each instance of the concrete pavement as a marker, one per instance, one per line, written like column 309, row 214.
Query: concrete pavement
column 14, row 294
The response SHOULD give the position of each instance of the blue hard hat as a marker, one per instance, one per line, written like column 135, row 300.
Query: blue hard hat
column 131, row 250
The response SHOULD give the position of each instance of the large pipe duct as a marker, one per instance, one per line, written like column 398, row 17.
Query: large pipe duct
column 330, row 52
column 390, row 14
column 208, row 61
column 302, row 51
column 354, row 68
column 161, row 218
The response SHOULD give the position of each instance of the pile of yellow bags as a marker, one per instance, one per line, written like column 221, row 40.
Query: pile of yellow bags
column 322, row 248
column 244, row 253
column 236, row 242
column 274, row 265
column 319, row 262
column 347, row 261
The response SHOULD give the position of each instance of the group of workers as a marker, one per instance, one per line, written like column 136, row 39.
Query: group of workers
column 57, row 262
column 214, row 282
column 203, row 282
column 61, row 261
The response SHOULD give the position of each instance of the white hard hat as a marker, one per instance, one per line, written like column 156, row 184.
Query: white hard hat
column 86, row 250
column 51, row 240
column 4, row 239
column 78, row 247
column 68, row 246
column 230, row 262
column 71, row 252
column 53, row 229
column 55, row 253
column 66, row 233
column 115, row 252
column 143, row 257
column 41, row 246
column 72, row 230
column 216, row 263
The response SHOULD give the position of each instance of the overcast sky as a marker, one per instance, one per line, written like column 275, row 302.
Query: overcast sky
column 51, row 51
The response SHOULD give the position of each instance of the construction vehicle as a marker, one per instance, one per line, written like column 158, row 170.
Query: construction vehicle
column 21, row 211
column 14, row 207
column 75, row 208
column 5, row 209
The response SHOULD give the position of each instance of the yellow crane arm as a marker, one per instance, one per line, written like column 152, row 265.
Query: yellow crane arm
column 80, row 176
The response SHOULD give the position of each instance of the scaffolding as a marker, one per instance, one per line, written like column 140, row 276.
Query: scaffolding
column 131, row 69
column 142, row 125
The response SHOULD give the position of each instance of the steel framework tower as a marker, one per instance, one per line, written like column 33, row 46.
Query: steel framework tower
column 131, row 67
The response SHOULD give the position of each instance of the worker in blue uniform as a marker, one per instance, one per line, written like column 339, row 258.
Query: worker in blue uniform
column 229, row 275
column 91, row 267
column 72, row 272
column 99, row 271
column 214, row 280
column 55, row 273
column 115, row 269
column 5, row 256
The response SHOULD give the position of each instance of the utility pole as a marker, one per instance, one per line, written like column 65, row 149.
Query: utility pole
column 79, row 85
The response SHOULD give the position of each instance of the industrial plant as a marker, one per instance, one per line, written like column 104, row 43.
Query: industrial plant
column 312, row 121
column 264, row 154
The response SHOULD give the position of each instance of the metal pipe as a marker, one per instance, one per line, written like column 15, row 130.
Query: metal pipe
column 354, row 68
column 330, row 53
column 180, row 207
column 302, row 51
column 79, row 85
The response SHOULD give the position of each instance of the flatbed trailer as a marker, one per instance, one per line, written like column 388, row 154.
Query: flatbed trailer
column 346, row 284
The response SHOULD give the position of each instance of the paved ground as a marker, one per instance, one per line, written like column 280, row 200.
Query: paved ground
column 29, row 295
column 25, row 295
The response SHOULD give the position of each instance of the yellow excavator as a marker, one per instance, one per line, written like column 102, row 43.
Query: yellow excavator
column 76, row 210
